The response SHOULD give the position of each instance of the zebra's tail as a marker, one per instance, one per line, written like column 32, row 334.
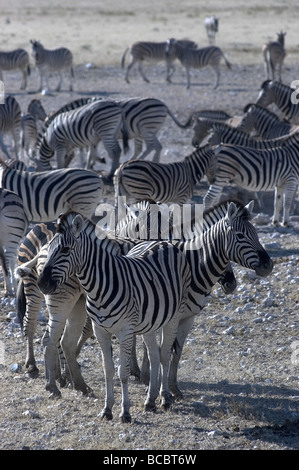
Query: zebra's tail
column 178, row 123
column 21, row 303
column 28, row 70
column 72, row 72
column 123, row 58
column 227, row 63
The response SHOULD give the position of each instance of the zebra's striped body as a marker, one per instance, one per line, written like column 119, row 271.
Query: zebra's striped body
column 264, row 122
column 154, row 282
column 13, row 225
column 10, row 122
column 257, row 170
column 52, row 60
column 274, row 54
column 197, row 58
column 29, row 130
column 45, row 195
column 16, row 59
column 85, row 126
column 211, row 25
column 163, row 182
column 151, row 51
column 281, row 95
column 76, row 242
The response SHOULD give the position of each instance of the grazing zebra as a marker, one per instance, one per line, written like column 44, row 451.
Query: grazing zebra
column 257, row 170
column 13, row 225
column 163, row 182
column 232, row 238
column 264, row 122
column 281, row 95
column 47, row 194
column 152, row 51
column 274, row 54
column 16, row 59
column 204, row 121
column 85, row 126
column 131, row 304
column 10, row 122
column 52, row 60
column 29, row 131
column 211, row 25
column 197, row 58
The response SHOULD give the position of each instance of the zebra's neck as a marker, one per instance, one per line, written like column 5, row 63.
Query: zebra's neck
column 198, row 162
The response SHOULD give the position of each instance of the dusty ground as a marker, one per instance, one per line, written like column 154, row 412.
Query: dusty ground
column 240, row 366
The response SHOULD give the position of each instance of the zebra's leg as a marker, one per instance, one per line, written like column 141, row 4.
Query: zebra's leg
column 154, row 360
column 134, row 369
column 24, row 78
column 184, row 328
column 3, row 146
column 138, row 144
column 170, row 69
column 289, row 194
column 188, row 77
column 130, row 65
column 60, row 81
column 85, row 335
column 114, row 152
column 152, row 143
column 104, row 339
column 140, row 68
column 217, row 75
column 278, row 202
column 16, row 134
column 126, row 342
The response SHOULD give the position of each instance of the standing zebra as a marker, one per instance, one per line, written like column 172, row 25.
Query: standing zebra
column 211, row 25
column 47, row 194
column 163, row 182
column 85, row 126
column 152, row 51
column 197, row 58
column 264, row 122
column 281, row 95
column 274, row 54
column 52, row 60
column 29, row 130
column 232, row 238
column 257, row 170
column 131, row 304
column 10, row 122
column 13, row 225
column 16, row 59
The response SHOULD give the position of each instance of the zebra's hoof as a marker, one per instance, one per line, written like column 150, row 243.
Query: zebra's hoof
column 167, row 401
column 125, row 417
column 106, row 414
column 150, row 407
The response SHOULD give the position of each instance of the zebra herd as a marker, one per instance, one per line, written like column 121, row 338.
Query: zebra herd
column 112, row 281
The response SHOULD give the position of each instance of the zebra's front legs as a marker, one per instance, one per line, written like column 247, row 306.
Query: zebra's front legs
column 154, row 364
column 140, row 68
column 278, row 203
column 126, row 342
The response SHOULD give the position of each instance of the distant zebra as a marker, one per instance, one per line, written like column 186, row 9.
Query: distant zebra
column 29, row 129
column 152, row 51
column 264, row 122
column 197, row 58
column 281, row 95
column 133, row 296
column 211, row 25
column 52, row 60
column 45, row 195
column 10, row 122
column 274, row 54
column 85, row 126
column 204, row 121
column 13, row 225
column 257, row 170
column 163, row 182
column 16, row 59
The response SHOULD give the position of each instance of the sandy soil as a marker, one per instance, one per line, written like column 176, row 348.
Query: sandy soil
column 239, row 372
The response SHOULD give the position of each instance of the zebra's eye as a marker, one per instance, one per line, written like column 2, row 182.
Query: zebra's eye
column 65, row 250
column 240, row 236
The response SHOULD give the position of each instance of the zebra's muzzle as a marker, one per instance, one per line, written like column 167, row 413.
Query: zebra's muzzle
column 45, row 283
column 265, row 265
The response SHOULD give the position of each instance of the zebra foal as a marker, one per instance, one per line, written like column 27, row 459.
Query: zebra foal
column 211, row 24
column 52, row 60
column 152, row 51
column 10, row 122
column 197, row 58
column 274, row 54
column 16, row 59
column 281, row 95
column 131, row 304
column 29, row 130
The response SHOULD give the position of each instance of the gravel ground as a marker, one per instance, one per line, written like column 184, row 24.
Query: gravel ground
column 240, row 367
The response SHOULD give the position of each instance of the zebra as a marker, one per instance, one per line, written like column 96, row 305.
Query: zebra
column 274, row 54
column 10, row 122
column 16, row 59
column 197, row 58
column 211, row 25
column 163, row 182
column 29, row 297
column 153, row 51
column 257, row 170
column 83, row 127
column 52, row 60
column 13, row 226
column 266, row 123
column 47, row 194
column 232, row 238
column 204, row 121
column 280, row 94
column 29, row 130
column 137, row 306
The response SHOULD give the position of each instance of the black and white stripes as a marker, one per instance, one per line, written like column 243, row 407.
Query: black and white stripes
column 16, row 59
column 274, row 54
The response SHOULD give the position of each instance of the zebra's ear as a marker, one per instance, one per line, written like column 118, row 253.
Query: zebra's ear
column 249, row 207
column 231, row 210
column 77, row 225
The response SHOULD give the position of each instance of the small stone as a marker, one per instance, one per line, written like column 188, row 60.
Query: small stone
column 15, row 368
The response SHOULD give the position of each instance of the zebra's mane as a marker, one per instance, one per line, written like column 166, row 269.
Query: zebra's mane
column 262, row 109
column 223, row 205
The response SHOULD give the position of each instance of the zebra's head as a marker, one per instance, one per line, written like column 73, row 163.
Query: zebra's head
column 265, row 96
column 242, row 242
column 249, row 121
column 170, row 50
column 64, row 254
